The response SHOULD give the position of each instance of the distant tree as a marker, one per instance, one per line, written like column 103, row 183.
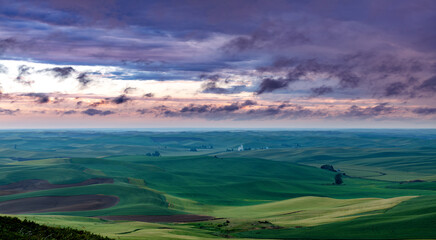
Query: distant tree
column 156, row 154
column 328, row 167
column 148, row 154
column 338, row 179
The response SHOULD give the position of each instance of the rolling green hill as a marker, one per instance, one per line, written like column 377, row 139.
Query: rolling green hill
column 279, row 192
column 411, row 219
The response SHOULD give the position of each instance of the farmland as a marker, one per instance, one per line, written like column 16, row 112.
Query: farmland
column 200, row 186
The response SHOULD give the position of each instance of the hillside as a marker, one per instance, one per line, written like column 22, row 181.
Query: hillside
column 14, row 228
column 278, row 192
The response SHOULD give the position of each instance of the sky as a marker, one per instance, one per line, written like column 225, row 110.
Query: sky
column 213, row 64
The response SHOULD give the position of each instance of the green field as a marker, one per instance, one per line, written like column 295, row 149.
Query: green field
column 273, row 189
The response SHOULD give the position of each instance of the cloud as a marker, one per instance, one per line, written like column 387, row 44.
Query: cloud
column 321, row 90
column 3, row 69
column 142, row 111
column 196, row 108
column 129, row 90
column 208, row 111
column 428, row 85
column 212, row 88
column 366, row 52
column 368, row 74
column 23, row 71
column 395, row 89
column 84, row 79
column 6, row 44
column 211, row 85
column 269, row 85
column 248, row 103
column 8, row 111
column 62, row 72
column 298, row 70
column 270, row 35
column 98, row 103
column 210, row 108
column 235, row 111
column 40, row 97
column 93, row 112
column 69, row 112
column 348, row 79
column 425, row 111
column 368, row 112
column 121, row 99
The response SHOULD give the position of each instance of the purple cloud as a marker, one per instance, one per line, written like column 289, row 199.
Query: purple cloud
column 40, row 97
column 93, row 112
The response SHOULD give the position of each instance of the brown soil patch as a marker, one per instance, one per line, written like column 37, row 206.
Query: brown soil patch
column 57, row 204
column 160, row 218
column 32, row 185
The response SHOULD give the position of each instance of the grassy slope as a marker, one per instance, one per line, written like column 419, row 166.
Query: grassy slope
column 45, row 144
column 133, row 200
column 320, row 217
column 234, row 187
column 397, row 164
column 125, row 230
column 142, row 183
column 309, row 211
column 412, row 219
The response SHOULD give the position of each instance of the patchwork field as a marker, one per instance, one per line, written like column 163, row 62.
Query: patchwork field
column 200, row 186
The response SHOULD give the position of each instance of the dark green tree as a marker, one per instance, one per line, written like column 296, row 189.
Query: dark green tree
column 328, row 167
column 156, row 154
column 338, row 179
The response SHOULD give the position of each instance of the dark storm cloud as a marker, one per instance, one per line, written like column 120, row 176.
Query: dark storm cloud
column 395, row 89
column 235, row 111
column 210, row 108
column 84, row 79
column 348, row 79
column 207, row 111
column 8, row 111
column 6, row 44
column 283, row 111
column 321, row 90
column 278, row 64
column 210, row 77
column 368, row 112
column 428, row 85
column 200, row 19
column 272, row 34
column 98, row 103
column 211, row 85
column 121, row 99
column 355, row 49
column 371, row 73
column 298, row 69
column 269, row 85
column 249, row 103
column 94, row 112
column 142, row 111
column 40, row 97
column 196, row 108
column 129, row 90
column 62, row 72
column 23, row 71
column 425, row 111
column 69, row 112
